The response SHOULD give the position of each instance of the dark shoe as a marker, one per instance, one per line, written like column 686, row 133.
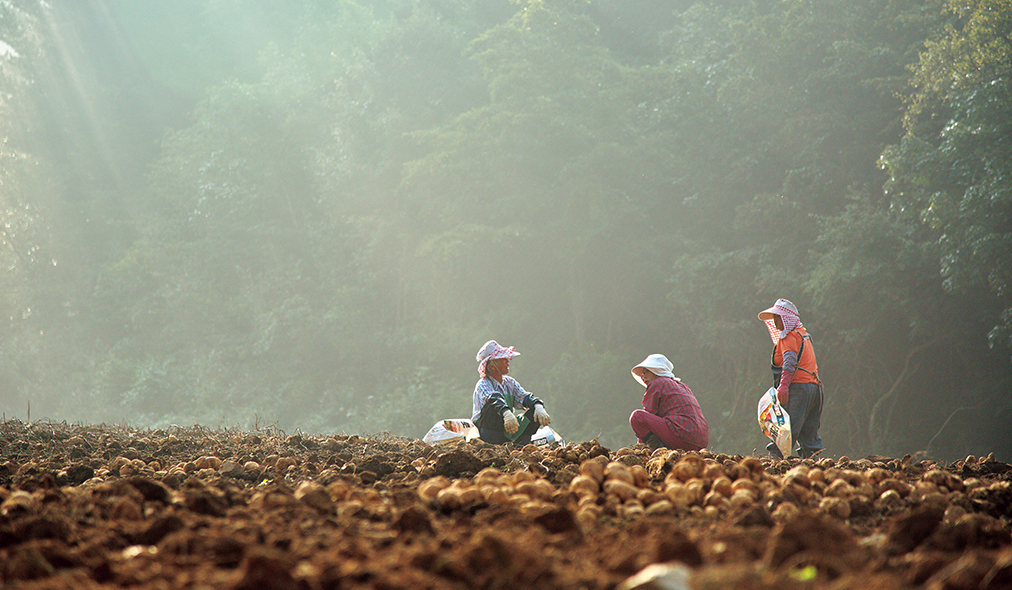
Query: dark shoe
column 808, row 453
column 653, row 441
column 774, row 450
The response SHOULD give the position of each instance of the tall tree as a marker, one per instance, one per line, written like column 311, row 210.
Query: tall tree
column 27, row 299
column 952, row 164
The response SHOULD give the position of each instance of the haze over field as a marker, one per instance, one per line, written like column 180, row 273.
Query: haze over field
column 312, row 214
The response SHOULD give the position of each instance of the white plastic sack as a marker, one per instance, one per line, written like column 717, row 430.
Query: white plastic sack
column 546, row 436
column 446, row 431
column 775, row 422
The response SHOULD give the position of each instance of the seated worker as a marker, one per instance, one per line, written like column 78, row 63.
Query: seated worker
column 498, row 399
column 671, row 416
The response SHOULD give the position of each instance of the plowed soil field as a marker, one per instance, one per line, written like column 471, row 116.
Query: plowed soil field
column 108, row 507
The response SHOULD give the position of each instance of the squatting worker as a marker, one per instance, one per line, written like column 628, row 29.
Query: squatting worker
column 503, row 411
column 671, row 416
column 796, row 376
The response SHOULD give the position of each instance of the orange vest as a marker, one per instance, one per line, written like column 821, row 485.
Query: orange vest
column 808, row 369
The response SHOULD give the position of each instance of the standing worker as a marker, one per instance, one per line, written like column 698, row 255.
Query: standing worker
column 795, row 376
column 498, row 399
column 671, row 416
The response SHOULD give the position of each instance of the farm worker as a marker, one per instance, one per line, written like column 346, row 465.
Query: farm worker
column 503, row 411
column 671, row 416
column 795, row 376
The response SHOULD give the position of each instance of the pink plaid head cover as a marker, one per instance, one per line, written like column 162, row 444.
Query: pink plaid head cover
column 788, row 315
column 492, row 350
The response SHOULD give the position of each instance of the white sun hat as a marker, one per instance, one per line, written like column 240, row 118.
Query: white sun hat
column 658, row 364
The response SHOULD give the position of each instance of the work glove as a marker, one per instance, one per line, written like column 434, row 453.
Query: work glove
column 509, row 422
column 785, row 383
column 541, row 416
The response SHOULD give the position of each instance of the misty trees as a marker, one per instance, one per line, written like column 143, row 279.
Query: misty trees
column 342, row 219
column 28, row 302
column 231, row 267
column 953, row 165
column 809, row 92
column 270, row 268
column 952, row 172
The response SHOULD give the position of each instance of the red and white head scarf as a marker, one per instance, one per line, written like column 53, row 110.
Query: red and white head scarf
column 788, row 315
column 491, row 351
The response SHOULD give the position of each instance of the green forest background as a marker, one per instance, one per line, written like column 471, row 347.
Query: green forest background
column 310, row 214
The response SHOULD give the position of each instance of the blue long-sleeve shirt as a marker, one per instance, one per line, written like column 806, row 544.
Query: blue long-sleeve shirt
column 490, row 391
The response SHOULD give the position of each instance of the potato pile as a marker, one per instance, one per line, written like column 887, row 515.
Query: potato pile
column 634, row 485
column 192, row 508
